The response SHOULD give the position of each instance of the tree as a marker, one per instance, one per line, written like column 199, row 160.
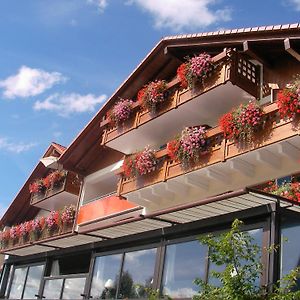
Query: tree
column 240, row 257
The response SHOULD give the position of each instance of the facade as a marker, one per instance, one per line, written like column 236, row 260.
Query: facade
column 100, row 220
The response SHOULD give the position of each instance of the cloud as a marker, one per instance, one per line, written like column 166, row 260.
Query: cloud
column 188, row 14
column 29, row 82
column 101, row 4
column 295, row 3
column 17, row 148
column 67, row 104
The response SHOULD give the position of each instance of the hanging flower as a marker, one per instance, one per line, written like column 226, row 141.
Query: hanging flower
column 37, row 186
column 196, row 68
column 14, row 233
column 153, row 94
column 121, row 111
column 23, row 230
column 145, row 161
column 52, row 221
column 188, row 148
column 38, row 224
column 5, row 236
column 128, row 166
column 68, row 214
column 289, row 99
column 182, row 74
column 140, row 163
column 243, row 122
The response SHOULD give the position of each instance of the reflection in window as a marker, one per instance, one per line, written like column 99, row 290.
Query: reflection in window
column 290, row 253
column 256, row 235
column 105, row 276
column 73, row 288
column 184, row 263
column 32, row 286
column 138, row 272
column 17, row 285
column 52, row 289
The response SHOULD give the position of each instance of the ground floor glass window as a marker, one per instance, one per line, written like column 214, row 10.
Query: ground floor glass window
column 26, row 282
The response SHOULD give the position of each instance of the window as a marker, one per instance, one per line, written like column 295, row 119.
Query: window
column 52, row 289
column 257, row 236
column 64, row 288
column 290, row 252
column 106, row 276
column 183, row 263
column 137, row 273
column 186, row 261
column 66, row 266
column 26, row 282
column 73, row 288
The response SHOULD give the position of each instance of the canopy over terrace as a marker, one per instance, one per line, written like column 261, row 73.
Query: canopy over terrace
column 234, row 204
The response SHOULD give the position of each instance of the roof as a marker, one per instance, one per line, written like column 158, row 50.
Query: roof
column 269, row 28
column 20, row 206
column 157, row 65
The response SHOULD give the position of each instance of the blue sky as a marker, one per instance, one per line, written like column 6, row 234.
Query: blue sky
column 60, row 59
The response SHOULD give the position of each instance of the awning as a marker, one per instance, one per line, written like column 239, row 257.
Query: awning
column 228, row 203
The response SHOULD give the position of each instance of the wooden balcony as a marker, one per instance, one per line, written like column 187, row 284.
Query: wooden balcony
column 63, row 193
column 234, row 80
column 227, row 167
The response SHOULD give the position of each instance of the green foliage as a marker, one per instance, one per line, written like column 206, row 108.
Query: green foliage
column 155, row 295
column 240, row 257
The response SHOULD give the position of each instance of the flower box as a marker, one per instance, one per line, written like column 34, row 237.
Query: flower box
column 52, row 198
column 39, row 230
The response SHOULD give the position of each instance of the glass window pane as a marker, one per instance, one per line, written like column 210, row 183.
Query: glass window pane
column 184, row 263
column 33, row 281
column 257, row 236
column 18, row 283
column 138, row 272
column 9, row 281
column 290, row 252
column 52, row 289
column 73, row 288
column 106, row 276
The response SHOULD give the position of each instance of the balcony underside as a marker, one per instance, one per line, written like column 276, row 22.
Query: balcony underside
column 233, row 202
column 57, row 201
column 243, row 170
column 54, row 243
column 204, row 109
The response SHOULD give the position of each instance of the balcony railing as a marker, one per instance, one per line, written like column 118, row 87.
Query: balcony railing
column 276, row 148
column 230, row 67
column 105, row 209
column 63, row 192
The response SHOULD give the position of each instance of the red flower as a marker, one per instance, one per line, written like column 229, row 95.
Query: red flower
column 141, row 94
column 172, row 148
column 227, row 125
column 182, row 75
column 288, row 104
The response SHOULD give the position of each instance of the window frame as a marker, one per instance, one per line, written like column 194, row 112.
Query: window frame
column 263, row 223
column 123, row 252
column 63, row 277
column 27, row 266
